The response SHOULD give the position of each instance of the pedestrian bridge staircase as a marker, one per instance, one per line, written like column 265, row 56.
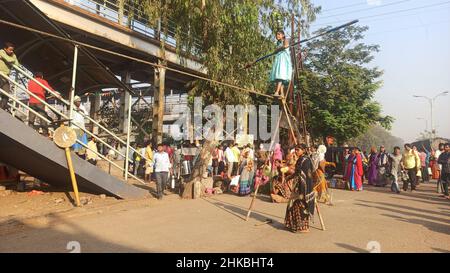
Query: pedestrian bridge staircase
column 27, row 150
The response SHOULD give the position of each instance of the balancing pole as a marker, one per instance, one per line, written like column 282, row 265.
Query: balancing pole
column 72, row 177
column 302, row 41
column 252, row 203
column 64, row 137
column 320, row 216
column 257, row 187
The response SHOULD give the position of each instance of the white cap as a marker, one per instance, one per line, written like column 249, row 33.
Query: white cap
column 76, row 98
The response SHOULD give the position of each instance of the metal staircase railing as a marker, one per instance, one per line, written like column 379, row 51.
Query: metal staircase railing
column 133, row 18
column 63, row 114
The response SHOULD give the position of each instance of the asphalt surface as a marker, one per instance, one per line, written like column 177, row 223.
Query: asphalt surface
column 372, row 220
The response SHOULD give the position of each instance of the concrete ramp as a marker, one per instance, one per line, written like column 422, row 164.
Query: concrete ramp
column 25, row 149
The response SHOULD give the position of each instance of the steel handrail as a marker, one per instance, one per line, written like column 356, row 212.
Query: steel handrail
column 58, row 96
column 50, row 129
column 61, row 114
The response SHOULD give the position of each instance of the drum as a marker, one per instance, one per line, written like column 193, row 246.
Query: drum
column 186, row 167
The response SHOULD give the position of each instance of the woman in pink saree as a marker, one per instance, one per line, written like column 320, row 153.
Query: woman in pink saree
column 277, row 155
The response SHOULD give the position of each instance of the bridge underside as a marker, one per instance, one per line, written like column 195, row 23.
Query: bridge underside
column 96, row 70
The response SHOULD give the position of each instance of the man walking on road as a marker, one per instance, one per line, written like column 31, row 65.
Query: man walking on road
column 444, row 161
column 395, row 160
column 382, row 166
column 162, row 168
column 411, row 163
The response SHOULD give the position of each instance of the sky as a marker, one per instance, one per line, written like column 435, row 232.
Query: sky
column 414, row 39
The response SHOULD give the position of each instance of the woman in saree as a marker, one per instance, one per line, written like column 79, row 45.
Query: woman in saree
column 277, row 155
column 246, row 172
column 434, row 165
column 355, row 170
column 281, row 73
column 372, row 171
column 300, row 207
column 319, row 165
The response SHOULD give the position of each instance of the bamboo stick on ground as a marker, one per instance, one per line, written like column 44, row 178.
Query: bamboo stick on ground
column 252, row 203
column 320, row 216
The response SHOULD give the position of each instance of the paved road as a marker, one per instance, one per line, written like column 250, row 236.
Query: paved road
column 409, row 222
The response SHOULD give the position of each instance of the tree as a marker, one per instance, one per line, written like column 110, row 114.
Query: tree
column 339, row 85
column 226, row 35
column 376, row 136
column 231, row 34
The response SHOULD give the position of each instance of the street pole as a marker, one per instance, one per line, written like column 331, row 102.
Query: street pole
column 431, row 101
column 432, row 123
column 426, row 124
column 74, row 80
column 128, row 139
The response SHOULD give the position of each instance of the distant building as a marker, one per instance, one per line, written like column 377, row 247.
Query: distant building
column 435, row 143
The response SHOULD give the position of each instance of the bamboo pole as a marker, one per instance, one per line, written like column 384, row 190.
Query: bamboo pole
column 320, row 216
column 252, row 203
column 72, row 177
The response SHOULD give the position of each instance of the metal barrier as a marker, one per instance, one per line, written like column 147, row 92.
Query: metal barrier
column 65, row 116
column 133, row 18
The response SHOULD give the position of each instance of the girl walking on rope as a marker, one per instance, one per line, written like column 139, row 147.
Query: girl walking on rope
column 281, row 73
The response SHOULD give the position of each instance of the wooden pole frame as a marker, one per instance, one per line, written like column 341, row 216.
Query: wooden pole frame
column 288, row 115
column 72, row 177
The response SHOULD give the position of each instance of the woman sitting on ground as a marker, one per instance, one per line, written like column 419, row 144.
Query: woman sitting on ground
column 282, row 187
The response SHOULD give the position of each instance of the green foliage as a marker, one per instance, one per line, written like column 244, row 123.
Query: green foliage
column 376, row 136
column 340, row 86
column 231, row 34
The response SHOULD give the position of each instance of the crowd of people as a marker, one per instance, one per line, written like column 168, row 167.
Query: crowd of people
column 412, row 167
column 297, row 175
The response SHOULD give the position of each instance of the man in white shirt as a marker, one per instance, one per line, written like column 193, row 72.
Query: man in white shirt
column 161, row 169
column 78, row 125
column 78, row 114
column 230, row 160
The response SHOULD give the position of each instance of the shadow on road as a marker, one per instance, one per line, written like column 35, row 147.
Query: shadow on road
column 413, row 214
column 422, row 200
column 19, row 237
column 245, row 209
column 352, row 248
column 440, row 250
column 433, row 226
column 242, row 213
column 444, row 214
column 427, row 197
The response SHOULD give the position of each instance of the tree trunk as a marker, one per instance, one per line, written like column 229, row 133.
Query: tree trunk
column 199, row 169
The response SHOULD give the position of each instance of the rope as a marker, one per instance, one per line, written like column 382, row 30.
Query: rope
column 133, row 58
